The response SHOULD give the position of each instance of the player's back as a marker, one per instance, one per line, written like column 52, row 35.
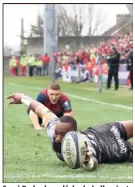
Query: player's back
column 109, row 143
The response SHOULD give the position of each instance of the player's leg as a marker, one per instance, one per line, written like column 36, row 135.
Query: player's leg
column 116, row 80
column 128, row 127
column 109, row 79
column 131, row 78
column 35, row 121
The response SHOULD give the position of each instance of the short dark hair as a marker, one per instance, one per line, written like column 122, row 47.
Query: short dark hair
column 69, row 119
column 54, row 86
column 114, row 49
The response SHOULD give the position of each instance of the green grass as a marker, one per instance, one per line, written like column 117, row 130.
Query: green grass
column 28, row 156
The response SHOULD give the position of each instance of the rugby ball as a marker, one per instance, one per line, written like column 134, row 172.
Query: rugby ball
column 73, row 149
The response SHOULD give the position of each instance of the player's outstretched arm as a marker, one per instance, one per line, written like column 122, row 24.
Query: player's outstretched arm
column 42, row 111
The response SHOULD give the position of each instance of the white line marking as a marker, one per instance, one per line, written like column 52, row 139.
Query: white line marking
column 100, row 102
column 83, row 98
column 14, row 84
column 88, row 175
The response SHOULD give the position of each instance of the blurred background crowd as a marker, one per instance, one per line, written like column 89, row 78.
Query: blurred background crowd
column 86, row 59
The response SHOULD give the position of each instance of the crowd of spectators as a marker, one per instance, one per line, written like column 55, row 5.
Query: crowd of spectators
column 84, row 57
column 87, row 57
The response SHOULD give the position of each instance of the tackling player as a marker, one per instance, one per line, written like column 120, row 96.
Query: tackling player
column 109, row 141
column 57, row 102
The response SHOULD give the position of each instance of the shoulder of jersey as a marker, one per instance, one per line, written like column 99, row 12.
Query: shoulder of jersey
column 64, row 97
column 44, row 91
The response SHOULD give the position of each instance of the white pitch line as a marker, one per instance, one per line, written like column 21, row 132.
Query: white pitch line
column 88, row 175
column 14, row 84
column 100, row 102
column 83, row 98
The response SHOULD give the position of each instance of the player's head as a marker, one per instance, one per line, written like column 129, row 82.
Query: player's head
column 64, row 125
column 54, row 93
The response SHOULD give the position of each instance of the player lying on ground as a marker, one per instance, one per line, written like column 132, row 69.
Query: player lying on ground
column 107, row 141
column 55, row 100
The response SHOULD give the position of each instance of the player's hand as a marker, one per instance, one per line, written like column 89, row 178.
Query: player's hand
column 16, row 98
column 90, row 161
column 87, row 153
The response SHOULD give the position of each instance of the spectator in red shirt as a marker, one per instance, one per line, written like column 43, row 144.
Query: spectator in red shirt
column 46, row 60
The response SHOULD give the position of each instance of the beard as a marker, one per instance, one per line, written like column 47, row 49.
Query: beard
column 56, row 146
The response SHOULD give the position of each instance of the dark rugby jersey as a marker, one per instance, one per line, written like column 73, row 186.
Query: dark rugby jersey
column 109, row 142
column 61, row 107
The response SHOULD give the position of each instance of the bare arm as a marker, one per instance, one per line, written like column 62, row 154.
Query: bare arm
column 128, row 127
column 41, row 111
column 68, row 114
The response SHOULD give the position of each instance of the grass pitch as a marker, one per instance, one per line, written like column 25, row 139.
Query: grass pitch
column 27, row 153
